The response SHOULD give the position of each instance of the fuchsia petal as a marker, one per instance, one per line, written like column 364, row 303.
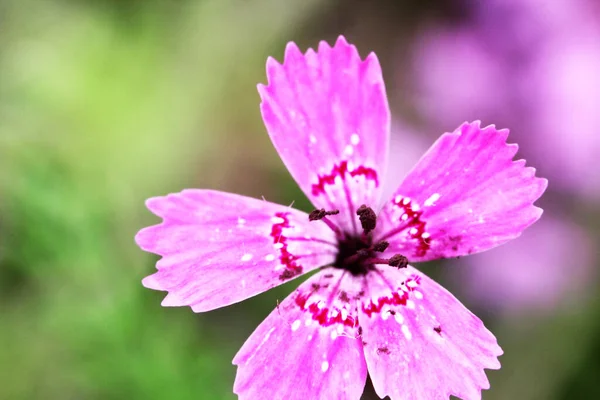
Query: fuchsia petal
column 328, row 117
column 220, row 248
column 464, row 196
column 309, row 347
column 421, row 342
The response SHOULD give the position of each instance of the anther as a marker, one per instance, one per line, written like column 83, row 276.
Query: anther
column 399, row 261
column 317, row 214
column 368, row 218
column 381, row 246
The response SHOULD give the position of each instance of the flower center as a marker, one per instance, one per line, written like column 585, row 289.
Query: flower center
column 352, row 254
column 358, row 254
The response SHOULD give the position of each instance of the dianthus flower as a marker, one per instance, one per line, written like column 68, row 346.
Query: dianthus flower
column 366, row 310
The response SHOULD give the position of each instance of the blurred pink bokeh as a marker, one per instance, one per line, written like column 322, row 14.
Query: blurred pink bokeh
column 531, row 66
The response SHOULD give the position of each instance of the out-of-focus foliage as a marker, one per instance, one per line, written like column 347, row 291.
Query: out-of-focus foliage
column 106, row 103
column 101, row 107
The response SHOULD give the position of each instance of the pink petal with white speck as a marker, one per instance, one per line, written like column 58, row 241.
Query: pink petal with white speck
column 220, row 248
column 308, row 347
column 421, row 342
column 464, row 196
column 327, row 115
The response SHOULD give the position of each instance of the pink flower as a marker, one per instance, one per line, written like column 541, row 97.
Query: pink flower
column 365, row 309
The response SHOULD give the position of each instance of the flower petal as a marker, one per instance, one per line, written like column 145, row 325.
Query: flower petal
column 307, row 348
column 420, row 342
column 328, row 117
column 465, row 195
column 220, row 248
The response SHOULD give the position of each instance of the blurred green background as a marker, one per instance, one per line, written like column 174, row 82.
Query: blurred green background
column 106, row 103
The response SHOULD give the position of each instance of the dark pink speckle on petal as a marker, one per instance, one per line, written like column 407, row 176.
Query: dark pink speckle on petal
column 325, row 314
column 280, row 243
column 340, row 171
column 398, row 297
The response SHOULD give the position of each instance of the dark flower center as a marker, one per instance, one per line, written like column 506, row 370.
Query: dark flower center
column 352, row 254
column 358, row 254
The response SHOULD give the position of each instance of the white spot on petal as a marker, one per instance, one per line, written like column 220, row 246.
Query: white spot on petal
column 410, row 304
column 269, row 257
column 431, row 200
column 354, row 139
column 324, row 366
column 348, row 150
column 241, row 221
column 344, row 314
column 278, row 245
column 277, row 220
column 296, row 325
column 246, row 257
column 406, row 332
column 418, row 295
column 385, row 314
column 399, row 318
column 313, row 139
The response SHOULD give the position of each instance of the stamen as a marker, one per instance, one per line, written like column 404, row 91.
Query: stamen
column 397, row 260
column 381, row 246
column 321, row 215
column 332, row 226
column 317, row 214
column 368, row 218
